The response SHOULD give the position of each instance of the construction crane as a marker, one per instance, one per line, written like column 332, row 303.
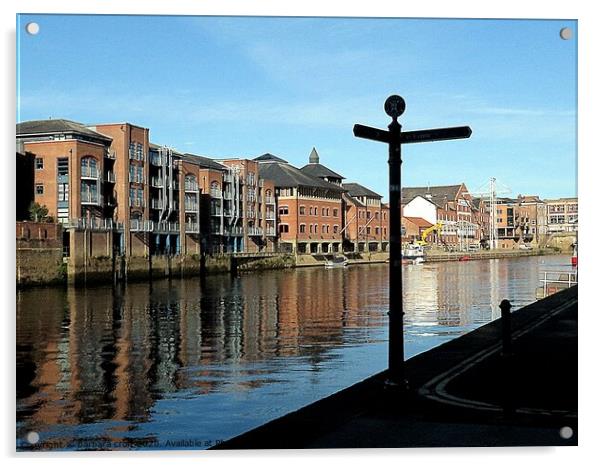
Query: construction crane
column 436, row 227
column 491, row 190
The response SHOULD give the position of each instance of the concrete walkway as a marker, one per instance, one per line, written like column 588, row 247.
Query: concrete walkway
column 462, row 393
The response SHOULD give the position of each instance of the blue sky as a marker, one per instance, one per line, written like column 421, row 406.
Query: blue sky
column 240, row 87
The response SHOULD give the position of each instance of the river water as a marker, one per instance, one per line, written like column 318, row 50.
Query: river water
column 188, row 363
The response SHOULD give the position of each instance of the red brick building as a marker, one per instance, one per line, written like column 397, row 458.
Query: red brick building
column 309, row 209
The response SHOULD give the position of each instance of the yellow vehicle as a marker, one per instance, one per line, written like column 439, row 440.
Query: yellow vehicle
column 436, row 227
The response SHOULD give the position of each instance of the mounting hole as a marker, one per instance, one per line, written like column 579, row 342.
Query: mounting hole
column 566, row 432
column 32, row 28
column 566, row 33
column 33, row 437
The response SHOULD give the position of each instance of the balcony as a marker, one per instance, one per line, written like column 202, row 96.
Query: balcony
column 270, row 232
column 102, row 224
column 228, row 195
column 89, row 173
column 255, row 231
column 157, row 182
column 251, row 197
column 216, row 212
column 157, row 204
column 250, row 214
column 191, row 207
column 270, row 215
column 217, row 193
column 228, row 178
column 90, row 198
column 228, row 213
column 111, row 154
column 216, row 230
column 191, row 227
column 110, row 177
column 158, row 160
column 261, row 183
column 191, row 187
column 270, row 200
column 233, row 231
column 165, row 227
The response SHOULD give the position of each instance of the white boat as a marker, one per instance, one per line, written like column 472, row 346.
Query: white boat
column 337, row 261
column 413, row 252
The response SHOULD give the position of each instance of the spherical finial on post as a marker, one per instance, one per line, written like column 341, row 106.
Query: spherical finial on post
column 395, row 106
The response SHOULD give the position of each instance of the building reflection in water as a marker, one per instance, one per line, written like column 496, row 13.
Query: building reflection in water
column 108, row 355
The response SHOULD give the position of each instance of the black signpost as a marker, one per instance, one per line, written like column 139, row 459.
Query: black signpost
column 394, row 107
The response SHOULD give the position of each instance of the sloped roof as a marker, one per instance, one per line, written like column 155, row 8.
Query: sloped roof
column 352, row 200
column 357, row 190
column 203, row 162
column 419, row 222
column 320, row 171
column 267, row 157
column 286, row 176
column 51, row 126
column 438, row 195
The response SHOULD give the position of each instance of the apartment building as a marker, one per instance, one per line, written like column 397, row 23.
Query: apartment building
column 562, row 215
column 309, row 208
column 451, row 206
column 147, row 199
column 366, row 219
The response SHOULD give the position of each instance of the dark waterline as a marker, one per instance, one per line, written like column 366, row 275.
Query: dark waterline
column 186, row 363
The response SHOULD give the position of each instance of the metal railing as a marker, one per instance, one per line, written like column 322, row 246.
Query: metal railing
column 110, row 154
column 556, row 280
column 93, row 223
column 191, row 187
column 228, row 177
column 191, row 207
column 89, row 173
column 90, row 199
column 191, row 227
column 157, row 204
column 216, row 193
column 228, row 195
column 233, row 231
column 157, row 182
column 110, row 177
column 254, row 231
column 270, row 200
column 216, row 212
column 270, row 232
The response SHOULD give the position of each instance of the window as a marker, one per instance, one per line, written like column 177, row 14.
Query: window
column 327, row 212
column 39, row 163
column 89, row 167
column 302, row 228
column 302, row 210
column 335, row 212
column 39, row 188
column 323, row 211
column 368, row 230
column 368, row 214
column 283, row 228
column 63, row 189
column 335, row 229
column 376, row 230
column 283, row 210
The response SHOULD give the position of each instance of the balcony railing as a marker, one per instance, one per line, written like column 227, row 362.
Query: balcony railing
column 216, row 212
column 110, row 177
column 251, row 197
column 270, row 232
column 191, row 207
column 255, row 231
column 228, row 195
column 228, row 213
column 216, row 193
column 270, row 215
column 110, row 154
column 228, row 177
column 261, row 183
column 157, row 182
column 165, row 227
column 89, row 173
column 93, row 224
column 191, row 187
column 90, row 198
column 233, row 231
column 250, row 214
column 157, row 204
column 270, row 200
column 191, row 227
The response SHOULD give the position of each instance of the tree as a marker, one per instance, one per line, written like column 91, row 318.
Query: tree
column 37, row 212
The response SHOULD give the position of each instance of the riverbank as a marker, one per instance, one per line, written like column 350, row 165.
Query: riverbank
column 462, row 393
column 46, row 267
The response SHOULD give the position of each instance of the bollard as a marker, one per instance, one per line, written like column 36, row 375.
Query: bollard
column 506, row 327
